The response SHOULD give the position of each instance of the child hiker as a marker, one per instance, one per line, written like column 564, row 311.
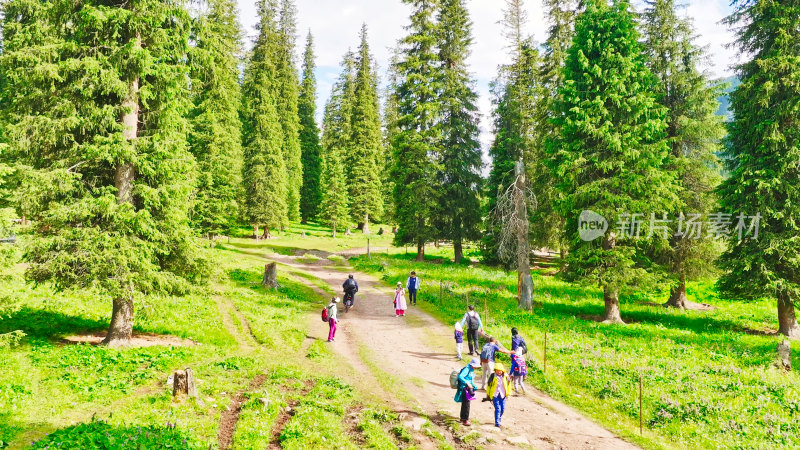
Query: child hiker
column 519, row 370
column 459, row 335
column 497, row 391
column 400, row 301
column 332, row 318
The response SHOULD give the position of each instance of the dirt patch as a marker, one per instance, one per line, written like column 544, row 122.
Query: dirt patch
column 351, row 421
column 287, row 413
column 690, row 306
column 137, row 340
column 229, row 417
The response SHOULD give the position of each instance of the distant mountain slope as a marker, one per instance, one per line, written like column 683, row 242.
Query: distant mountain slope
column 724, row 100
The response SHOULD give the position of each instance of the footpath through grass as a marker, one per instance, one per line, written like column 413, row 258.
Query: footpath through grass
column 55, row 394
column 707, row 376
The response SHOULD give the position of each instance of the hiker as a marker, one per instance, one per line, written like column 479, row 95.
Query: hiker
column 518, row 371
column 466, row 389
column 472, row 320
column 497, row 391
column 412, row 284
column 459, row 336
column 350, row 287
column 332, row 318
column 400, row 301
column 517, row 342
column 487, row 358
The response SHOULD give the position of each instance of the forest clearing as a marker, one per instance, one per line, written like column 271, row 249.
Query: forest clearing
column 552, row 224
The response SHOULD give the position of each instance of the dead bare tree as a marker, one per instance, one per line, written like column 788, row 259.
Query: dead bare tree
column 513, row 244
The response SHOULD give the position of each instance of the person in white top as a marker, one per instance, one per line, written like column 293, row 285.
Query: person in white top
column 412, row 284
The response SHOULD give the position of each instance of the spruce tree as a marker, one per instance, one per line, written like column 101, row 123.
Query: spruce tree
column 764, row 160
column 516, row 103
column 97, row 114
column 215, row 138
column 611, row 153
column 459, row 178
column 694, row 132
column 390, row 129
column 265, row 174
column 365, row 154
column 336, row 142
column 287, row 98
column 547, row 225
column 311, row 194
column 415, row 144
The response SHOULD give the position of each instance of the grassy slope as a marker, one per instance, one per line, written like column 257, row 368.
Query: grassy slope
column 707, row 376
column 86, row 396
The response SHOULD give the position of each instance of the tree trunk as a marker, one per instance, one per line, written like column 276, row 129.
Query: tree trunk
column 524, row 280
column 420, row 251
column 365, row 225
column 266, row 234
column 183, row 384
column 677, row 297
column 270, row 275
column 458, row 251
column 121, row 328
column 612, row 313
column 562, row 257
column 255, row 232
column 787, row 322
column 334, row 230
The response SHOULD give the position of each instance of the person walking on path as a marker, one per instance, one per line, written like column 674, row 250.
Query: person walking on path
column 466, row 389
column 518, row 371
column 412, row 284
column 487, row 358
column 400, row 305
column 473, row 324
column 517, row 342
column 497, row 391
column 350, row 287
column 333, row 319
column 459, row 336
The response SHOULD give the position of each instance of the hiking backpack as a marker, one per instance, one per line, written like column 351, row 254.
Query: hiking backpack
column 472, row 322
column 454, row 378
column 325, row 316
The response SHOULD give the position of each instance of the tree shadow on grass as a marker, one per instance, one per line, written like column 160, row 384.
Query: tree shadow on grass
column 41, row 323
column 101, row 435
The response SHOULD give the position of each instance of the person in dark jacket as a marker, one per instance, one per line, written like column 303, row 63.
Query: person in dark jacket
column 517, row 341
column 412, row 284
column 350, row 287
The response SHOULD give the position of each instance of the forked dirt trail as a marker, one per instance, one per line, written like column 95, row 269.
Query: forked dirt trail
column 417, row 352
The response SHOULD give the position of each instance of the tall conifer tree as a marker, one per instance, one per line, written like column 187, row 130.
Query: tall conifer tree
column 98, row 115
column 611, row 153
column 514, row 121
column 764, row 160
column 215, row 138
column 459, row 178
column 287, row 97
column 414, row 167
column 365, row 156
column 311, row 194
column 265, row 175
column 336, row 142
column 694, row 132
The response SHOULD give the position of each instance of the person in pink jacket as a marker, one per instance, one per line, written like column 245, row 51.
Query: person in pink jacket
column 400, row 305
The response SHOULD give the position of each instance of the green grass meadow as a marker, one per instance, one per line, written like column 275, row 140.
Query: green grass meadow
column 55, row 394
column 708, row 380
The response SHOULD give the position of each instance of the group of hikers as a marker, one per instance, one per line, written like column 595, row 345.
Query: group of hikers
column 496, row 382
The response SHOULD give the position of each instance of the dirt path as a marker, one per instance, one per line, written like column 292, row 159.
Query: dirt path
column 413, row 351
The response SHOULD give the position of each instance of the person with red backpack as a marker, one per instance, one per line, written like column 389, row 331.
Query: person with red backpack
column 330, row 312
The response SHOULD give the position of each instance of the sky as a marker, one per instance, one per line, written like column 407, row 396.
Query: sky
column 335, row 25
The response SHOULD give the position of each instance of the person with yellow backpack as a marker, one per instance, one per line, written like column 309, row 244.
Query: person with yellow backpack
column 497, row 391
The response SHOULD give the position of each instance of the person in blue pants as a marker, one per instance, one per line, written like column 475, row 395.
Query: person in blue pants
column 413, row 286
column 497, row 391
